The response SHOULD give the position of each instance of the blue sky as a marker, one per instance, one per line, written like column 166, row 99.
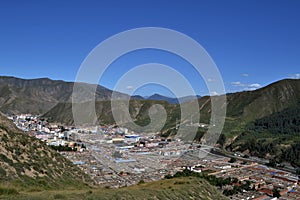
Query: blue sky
column 253, row 43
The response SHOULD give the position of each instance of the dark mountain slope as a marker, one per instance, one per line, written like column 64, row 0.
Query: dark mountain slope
column 248, row 106
column 276, row 137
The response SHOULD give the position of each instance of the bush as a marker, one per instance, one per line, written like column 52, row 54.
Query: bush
column 2, row 172
column 59, row 196
column 89, row 192
column 8, row 191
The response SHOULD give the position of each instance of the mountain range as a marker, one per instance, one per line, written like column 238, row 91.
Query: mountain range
column 171, row 100
column 53, row 99
column 37, row 96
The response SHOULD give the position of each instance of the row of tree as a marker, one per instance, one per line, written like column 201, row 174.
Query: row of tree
column 216, row 181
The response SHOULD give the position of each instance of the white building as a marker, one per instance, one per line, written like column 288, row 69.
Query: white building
column 131, row 138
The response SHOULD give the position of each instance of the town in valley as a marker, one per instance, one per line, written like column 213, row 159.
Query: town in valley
column 116, row 157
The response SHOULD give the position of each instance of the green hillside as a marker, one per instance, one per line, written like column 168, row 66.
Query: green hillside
column 276, row 136
column 177, row 188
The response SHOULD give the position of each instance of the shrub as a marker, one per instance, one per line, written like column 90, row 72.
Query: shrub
column 8, row 191
column 59, row 196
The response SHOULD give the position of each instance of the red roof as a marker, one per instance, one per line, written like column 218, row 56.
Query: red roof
column 266, row 191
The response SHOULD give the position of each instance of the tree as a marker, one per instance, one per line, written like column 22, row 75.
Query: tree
column 222, row 140
column 117, row 154
column 232, row 160
column 276, row 193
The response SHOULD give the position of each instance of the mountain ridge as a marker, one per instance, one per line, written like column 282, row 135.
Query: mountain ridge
column 37, row 96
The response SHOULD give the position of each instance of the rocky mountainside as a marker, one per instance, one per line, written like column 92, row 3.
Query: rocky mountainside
column 37, row 96
column 26, row 162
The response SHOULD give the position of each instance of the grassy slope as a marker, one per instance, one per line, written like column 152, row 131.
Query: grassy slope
column 177, row 188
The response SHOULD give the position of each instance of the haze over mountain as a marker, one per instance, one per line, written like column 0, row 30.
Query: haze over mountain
column 173, row 100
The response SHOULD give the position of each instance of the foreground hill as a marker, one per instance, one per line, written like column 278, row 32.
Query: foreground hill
column 37, row 96
column 27, row 163
column 177, row 188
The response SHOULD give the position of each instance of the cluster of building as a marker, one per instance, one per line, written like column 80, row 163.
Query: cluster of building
column 52, row 134
column 264, row 180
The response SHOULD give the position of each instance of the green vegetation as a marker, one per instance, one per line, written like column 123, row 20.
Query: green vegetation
column 216, row 181
column 276, row 192
column 63, row 148
column 277, row 134
column 176, row 188
column 8, row 191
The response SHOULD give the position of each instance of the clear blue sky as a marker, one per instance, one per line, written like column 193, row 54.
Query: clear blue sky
column 252, row 42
